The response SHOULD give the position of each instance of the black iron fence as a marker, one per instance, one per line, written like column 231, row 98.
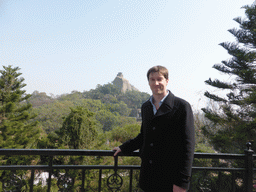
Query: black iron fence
column 229, row 177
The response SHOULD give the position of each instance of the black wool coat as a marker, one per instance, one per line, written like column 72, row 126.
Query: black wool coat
column 166, row 142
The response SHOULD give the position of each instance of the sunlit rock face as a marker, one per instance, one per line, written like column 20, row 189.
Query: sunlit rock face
column 123, row 83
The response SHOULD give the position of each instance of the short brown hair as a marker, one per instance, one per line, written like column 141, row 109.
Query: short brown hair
column 160, row 69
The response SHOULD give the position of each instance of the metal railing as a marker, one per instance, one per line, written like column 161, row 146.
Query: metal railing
column 114, row 181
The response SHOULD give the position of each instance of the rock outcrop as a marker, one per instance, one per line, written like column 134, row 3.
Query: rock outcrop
column 123, row 83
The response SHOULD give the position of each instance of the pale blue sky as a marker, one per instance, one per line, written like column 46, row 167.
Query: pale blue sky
column 63, row 45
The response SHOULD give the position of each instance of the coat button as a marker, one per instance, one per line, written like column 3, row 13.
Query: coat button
column 150, row 161
column 151, row 144
column 154, row 128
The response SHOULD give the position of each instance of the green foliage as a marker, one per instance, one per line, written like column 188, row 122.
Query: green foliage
column 232, row 112
column 134, row 98
column 108, row 89
column 74, row 121
column 51, row 115
column 119, row 107
column 15, row 128
column 18, row 129
column 73, row 96
column 124, row 133
column 78, row 129
column 109, row 111
column 232, row 116
column 92, row 105
column 107, row 119
column 214, row 181
column 109, row 93
column 101, row 91
column 39, row 98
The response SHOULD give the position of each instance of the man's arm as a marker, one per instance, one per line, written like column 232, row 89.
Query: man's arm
column 130, row 145
column 187, row 147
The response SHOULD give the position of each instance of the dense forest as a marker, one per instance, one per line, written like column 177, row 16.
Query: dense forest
column 40, row 121
column 110, row 107
column 114, row 113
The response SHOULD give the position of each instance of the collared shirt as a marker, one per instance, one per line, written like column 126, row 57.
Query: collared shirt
column 160, row 103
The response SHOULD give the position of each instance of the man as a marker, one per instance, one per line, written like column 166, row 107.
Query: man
column 166, row 140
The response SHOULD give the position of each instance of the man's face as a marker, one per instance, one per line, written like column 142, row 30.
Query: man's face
column 158, row 83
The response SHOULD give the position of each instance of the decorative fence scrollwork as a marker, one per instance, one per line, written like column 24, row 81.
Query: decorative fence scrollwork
column 115, row 181
column 65, row 182
column 13, row 183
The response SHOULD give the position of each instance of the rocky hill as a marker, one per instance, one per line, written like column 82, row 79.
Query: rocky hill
column 123, row 83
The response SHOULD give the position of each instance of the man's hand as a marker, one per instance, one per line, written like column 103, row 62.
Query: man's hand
column 178, row 189
column 117, row 149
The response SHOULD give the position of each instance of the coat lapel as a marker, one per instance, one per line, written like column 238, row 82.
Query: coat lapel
column 148, row 110
column 167, row 106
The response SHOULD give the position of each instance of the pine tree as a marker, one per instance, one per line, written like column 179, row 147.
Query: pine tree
column 78, row 130
column 233, row 123
column 16, row 129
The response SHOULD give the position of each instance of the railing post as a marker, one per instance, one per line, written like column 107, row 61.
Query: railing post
column 131, row 173
column 83, row 178
column 32, row 180
column 100, row 175
column 115, row 181
column 50, row 174
column 249, row 167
